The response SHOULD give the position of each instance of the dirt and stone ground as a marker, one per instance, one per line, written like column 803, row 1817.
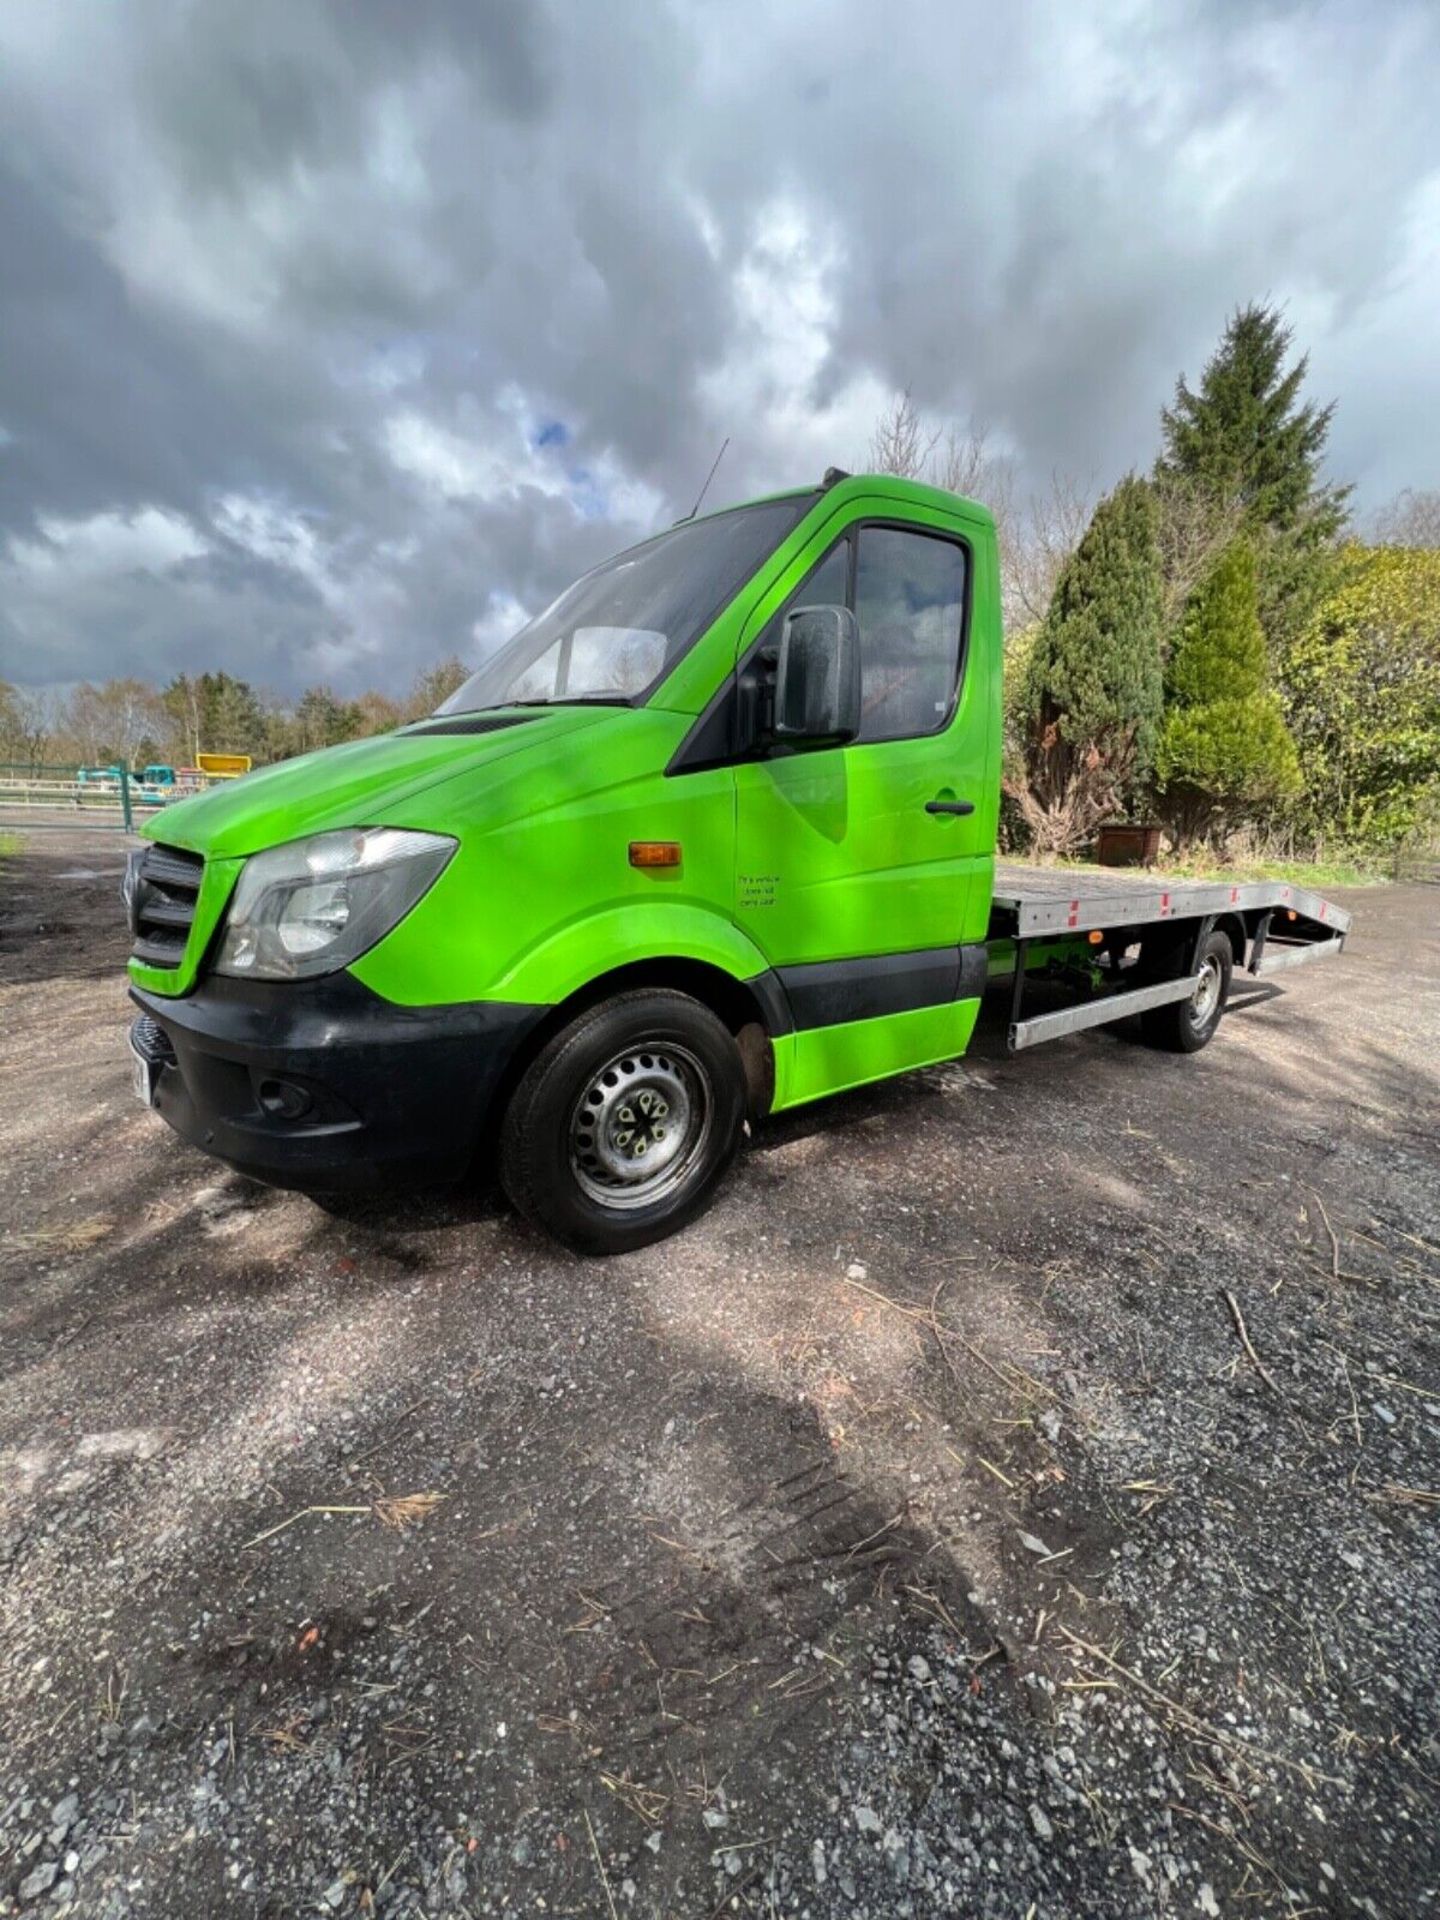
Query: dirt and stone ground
column 916, row 1535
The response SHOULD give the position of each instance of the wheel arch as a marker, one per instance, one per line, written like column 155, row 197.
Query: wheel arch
column 1173, row 941
column 1233, row 927
column 754, row 1010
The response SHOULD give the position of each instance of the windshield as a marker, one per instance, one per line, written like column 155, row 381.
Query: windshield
column 620, row 628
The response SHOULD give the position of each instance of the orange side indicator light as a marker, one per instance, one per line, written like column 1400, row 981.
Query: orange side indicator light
column 654, row 853
column 1096, row 936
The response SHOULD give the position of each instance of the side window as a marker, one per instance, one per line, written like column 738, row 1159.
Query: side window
column 826, row 585
column 910, row 605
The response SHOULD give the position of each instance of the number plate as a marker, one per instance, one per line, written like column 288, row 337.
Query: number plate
column 144, row 1076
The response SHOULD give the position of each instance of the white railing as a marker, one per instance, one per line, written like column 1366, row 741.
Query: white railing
column 88, row 796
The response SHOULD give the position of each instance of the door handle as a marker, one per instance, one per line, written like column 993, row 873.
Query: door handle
column 961, row 807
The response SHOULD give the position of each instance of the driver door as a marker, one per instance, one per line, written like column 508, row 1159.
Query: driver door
column 857, row 875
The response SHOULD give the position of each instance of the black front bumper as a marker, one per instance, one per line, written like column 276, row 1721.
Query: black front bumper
column 323, row 1085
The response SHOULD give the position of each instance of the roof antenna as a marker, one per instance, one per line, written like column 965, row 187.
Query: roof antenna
column 708, row 478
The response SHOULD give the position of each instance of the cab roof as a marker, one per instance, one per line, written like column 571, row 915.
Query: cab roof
column 889, row 486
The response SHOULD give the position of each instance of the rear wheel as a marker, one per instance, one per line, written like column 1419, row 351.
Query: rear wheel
column 1185, row 1026
column 623, row 1124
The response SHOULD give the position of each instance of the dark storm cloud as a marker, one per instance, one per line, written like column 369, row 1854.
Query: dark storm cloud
column 296, row 297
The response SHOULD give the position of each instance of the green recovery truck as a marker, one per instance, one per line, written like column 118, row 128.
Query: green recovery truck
column 712, row 836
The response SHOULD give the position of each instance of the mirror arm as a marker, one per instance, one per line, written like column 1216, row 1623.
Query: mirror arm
column 768, row 660
column 756, row 706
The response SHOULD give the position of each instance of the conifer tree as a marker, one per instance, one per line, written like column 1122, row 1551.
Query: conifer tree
column 1093, row 686
column 1224, row 747
column 1247, row 443
column 1245, row 433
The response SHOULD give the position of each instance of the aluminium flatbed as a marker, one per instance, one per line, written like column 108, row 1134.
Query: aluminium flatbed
column 1270, row 924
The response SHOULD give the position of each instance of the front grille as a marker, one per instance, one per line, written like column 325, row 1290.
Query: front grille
column 151, row 1039
column 166, row 889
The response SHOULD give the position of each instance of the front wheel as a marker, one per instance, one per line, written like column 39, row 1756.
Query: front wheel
column 1185, row 1026
column 624, row 1122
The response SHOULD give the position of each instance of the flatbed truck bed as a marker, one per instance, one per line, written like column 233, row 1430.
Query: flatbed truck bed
column 1271, row 925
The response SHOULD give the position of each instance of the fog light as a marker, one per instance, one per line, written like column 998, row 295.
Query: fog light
column 283, row 1100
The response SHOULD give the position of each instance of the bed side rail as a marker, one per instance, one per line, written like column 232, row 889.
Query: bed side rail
column 1098, row 1012
column 1056, row 902
column 1274, row 956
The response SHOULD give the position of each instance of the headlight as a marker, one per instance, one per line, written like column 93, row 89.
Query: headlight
column 316, row 905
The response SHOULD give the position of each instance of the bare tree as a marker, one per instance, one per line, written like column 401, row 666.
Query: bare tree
column 952, row 457
column 1038, row 535
column 80, row 722
column 114, row 721
column 1193, row 526
column 184, row 703
column 36, row 724
column 901, row 442
column 962, row 463
column 1412, row 519
column 10, row 742
column 378, row 713
column 1037, row 531
column 431, row 686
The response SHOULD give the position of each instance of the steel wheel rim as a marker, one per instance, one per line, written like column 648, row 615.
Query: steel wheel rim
column 1206, row 997
column 640, row 1125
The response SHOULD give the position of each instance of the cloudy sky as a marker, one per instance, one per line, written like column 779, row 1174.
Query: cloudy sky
column 335, row 336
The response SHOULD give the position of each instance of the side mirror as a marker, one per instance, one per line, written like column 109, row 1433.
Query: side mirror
column 817, row 677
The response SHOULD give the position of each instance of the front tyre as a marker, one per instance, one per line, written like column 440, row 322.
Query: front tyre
column 622, row 1125
column 1185, row 1026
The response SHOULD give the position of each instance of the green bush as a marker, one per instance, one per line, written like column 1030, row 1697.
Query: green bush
column 1362, row 692
column 1224, row 749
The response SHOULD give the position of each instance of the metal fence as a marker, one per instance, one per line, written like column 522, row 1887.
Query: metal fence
column 97, row 796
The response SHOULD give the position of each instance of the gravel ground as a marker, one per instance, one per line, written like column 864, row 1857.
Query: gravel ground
column 1018, row 1497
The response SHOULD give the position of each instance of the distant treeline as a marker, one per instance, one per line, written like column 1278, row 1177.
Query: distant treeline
column 135, row 724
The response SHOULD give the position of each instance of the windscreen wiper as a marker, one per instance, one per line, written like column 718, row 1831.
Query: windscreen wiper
column 573, row 700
